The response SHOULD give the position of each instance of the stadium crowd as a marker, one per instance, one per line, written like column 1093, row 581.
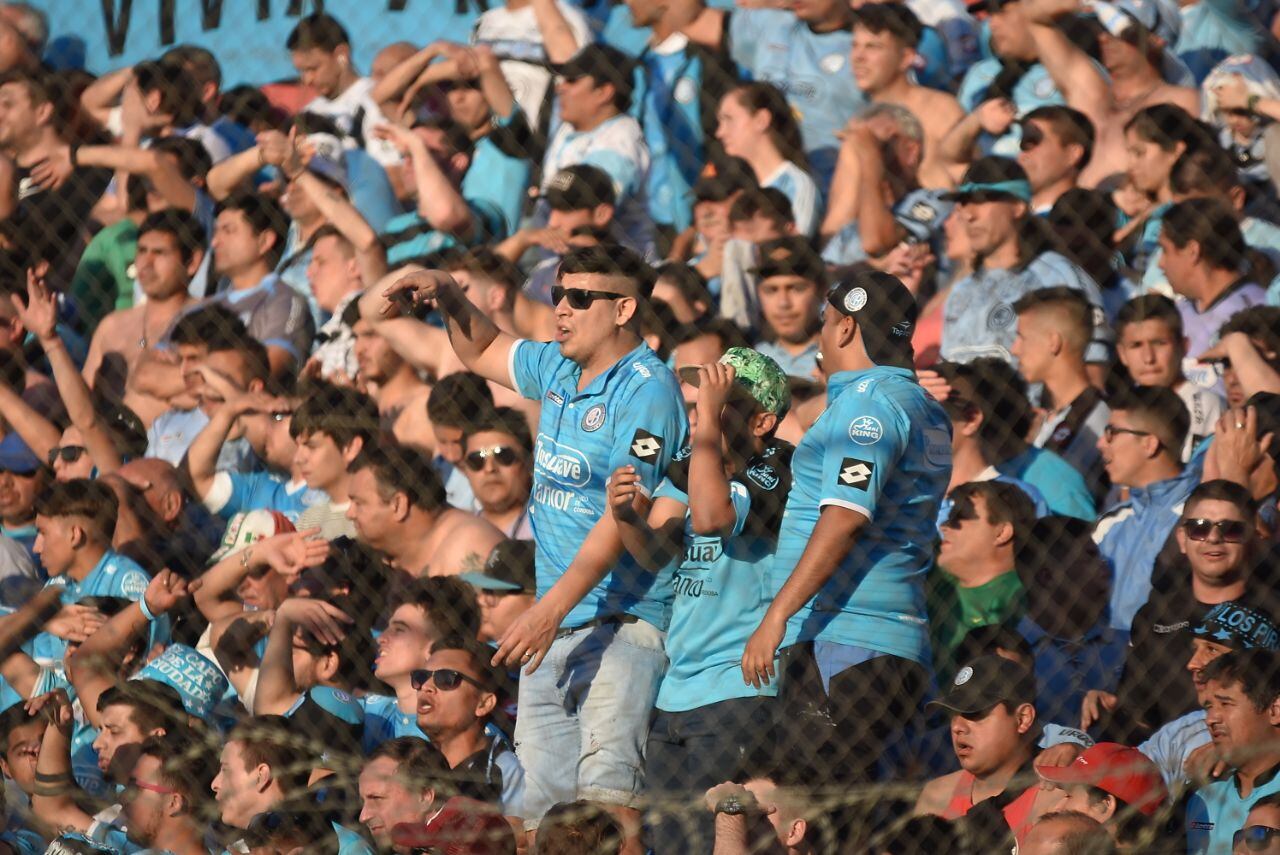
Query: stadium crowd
column 798, row 426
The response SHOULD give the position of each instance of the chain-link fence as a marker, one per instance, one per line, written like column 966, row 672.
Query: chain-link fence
column 669, row 427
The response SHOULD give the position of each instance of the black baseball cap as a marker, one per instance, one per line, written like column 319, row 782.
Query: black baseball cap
column 722, row 179
column 603, row 64
column 885, row 311
column 509, row 567
column 985, row 682
column 790, row 256
column 580, row 187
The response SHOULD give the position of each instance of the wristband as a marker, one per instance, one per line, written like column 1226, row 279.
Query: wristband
column 55, row 778
column 146, row 612
column 1252, row 104
column 244, row 557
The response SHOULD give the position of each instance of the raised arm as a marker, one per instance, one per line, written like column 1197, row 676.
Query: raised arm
column 54, row 800
column 100, row 96
column 287, row 554
column 159, row 169
column 202, row 455
column 36, row 431
column 994, row 116
column 439, row 202
column 558, row 38
column 1074, row 72
column 225, row 177
column 877, row 228
column 711, row 510
column 338, row 211
column 278, row 689
column 398, row 80
column 842, row 204
column 481, row 346
column 40, row 316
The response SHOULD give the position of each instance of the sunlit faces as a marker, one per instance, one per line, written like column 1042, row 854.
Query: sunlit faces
column 1151, row 353
column 1213, row 558
column 404, row 645
column 118, row 740
column 990, row 223
column 386, row 801
column 789, row 305
column 504, row 476
column 320, row 461
column 452, row 710
column 376, row 359
column 1238, row 729
column 373, row 515
column 161, row 270
column 985, row 741
column 55, row 543
column 321, row 69
column 1147, row 164
column 237, row 788
column 582, row 333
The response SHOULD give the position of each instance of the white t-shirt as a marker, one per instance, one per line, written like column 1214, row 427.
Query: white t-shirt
column 515, row 39
column 356, row 103
column 1205, row 407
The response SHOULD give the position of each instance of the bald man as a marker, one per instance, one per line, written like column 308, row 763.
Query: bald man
column 181, row 532
column 1067, row 833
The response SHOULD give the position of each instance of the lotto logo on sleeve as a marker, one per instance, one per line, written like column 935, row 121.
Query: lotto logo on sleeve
column 645, row 446
column 855, row 473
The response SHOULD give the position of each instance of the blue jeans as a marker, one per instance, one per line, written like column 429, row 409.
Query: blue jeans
column 692, row 751
column 584, row 717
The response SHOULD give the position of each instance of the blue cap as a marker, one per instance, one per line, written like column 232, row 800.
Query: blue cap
column 197, row 680
column 17, row 456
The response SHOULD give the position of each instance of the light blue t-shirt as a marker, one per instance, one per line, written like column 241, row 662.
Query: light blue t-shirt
column 498, row 179
column 113, row 576
column 632, row 414
column 1217, row 811
column 802, row 191
column 882, row 448
column 1034, row 89
column 803, row 364
column 1061, row 484
column 775, row 46
column 264, row 490
column 173, row 431
column 667, row 102
column 383, row 720
column 722, row 584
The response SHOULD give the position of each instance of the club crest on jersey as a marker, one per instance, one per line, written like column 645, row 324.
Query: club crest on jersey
column 594, row 418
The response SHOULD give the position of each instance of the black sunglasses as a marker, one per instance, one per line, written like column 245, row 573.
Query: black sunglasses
column 506, row 455
column 581, row 298
column 1031, row 137
column 1255, row 838
column 960, row 513
column 68, row 453
column 1232, row 531
column 446, row 679
column 1111, row 431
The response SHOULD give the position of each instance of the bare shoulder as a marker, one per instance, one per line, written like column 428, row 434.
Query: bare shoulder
column 936, row 794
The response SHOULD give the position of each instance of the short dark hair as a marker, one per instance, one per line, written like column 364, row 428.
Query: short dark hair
column 506, row 420
column 200, row 62
column 449, row 603
column 319, row 31
column 455, row 135
column 153, row 705
column 186, row 765
column 1205, row 171
column 579, row 828
column 1167, row 125
column 402, row 469
column 1071, row 126
column 341, row 413
column 179, row 92
column 213, row 325
column 997, row 391
column 1069, row 303
column 185, row 229
column 269, row 740
column 419, row 764
column 1221, row 490
column 1150, row 307
column 1257, row 670
column 81, row 497
column 456, row 400
column 193, row 158
column 767, row 201
column 609, row 260
column 1257, row 322
column 1161, row 411
column 984, row 640
column 1006, row 503
column 1086, row 834
column 263, row 215
column 44, row 87
column 893, row 18
column 483, row 261
column 479, row 656
column 1212, row 225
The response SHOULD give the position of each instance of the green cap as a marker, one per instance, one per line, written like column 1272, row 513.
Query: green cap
column 762, row 378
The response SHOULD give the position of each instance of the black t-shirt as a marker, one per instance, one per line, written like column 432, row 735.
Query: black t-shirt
column 54, row 222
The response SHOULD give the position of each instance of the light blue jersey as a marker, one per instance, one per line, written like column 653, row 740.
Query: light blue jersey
column 882, row 448
column 1217, row 811
column 383, row 720
column 234, row 493
column 1063, row 487
column 722, row 584
column 803, row 364
column 497, row 178
column 799, row 187
column 920, row 213
column 978, row 316
column 669, row 80
column 173, row 431
column 632, row 414
column 1215, row 29
column 410, row 236
column 113, row 576
column 775, row 46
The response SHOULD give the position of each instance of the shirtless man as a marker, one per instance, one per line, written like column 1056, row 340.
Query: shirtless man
column 394, row 385
column 1132, row 44
column 885, row 36
column 398, row 506
column 170, row 250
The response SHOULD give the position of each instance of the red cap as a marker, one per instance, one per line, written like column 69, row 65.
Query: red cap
column 1119, row 770
column 463, row 827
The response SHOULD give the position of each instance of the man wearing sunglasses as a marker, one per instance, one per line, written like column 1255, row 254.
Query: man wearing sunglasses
column 1056, row 145
column 1141, row 448
column 457, row 694
column 1242, row 709
column 1261, row 832
column 606, row 401
column 166, row 797
column 497, row 457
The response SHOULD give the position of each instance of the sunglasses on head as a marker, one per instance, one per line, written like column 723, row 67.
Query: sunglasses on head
column 446, row 679
column 1231, row 531
column 506, row 455
column 581, row 298
column 68, row 453
column 1256, row 838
